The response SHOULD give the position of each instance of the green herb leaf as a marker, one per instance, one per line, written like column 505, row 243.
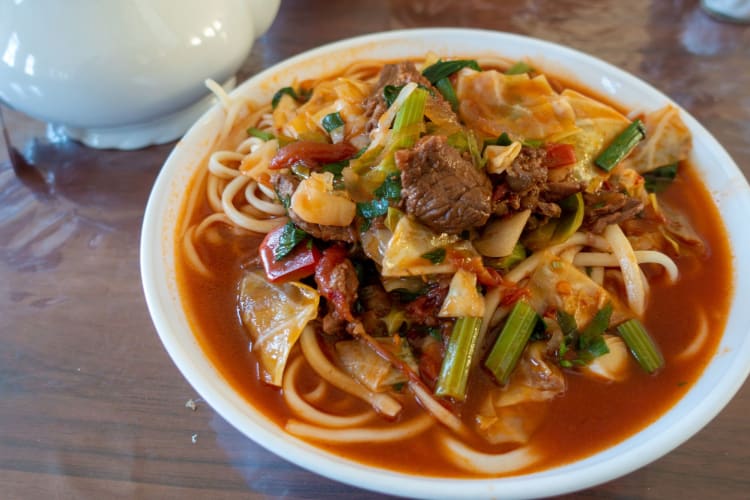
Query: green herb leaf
column 335, row 168
column 279, row 93
column 332, row 121
column 660, row 178
column 391, row 187
column 260, row 134
column 406, row 295
column 443, row 69
column 290, row 236
column 372, row 209
column 435, row 256
column 567, row 323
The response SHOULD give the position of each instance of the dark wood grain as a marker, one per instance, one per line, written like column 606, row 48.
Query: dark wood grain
column 91, row 405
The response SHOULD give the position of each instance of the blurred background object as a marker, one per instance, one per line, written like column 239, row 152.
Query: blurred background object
column 123, row 74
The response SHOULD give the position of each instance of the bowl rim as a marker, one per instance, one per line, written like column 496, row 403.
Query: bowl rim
column 618, row 460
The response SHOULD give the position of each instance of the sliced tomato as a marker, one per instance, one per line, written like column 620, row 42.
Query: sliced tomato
column 311, row 154
column 298, row 264
column 559, row 155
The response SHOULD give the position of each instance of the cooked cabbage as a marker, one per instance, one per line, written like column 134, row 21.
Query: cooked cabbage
column 275, row 315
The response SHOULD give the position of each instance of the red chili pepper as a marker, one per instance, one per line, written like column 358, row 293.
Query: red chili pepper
column 559, row 155
column 298, row 264
column 311, row 154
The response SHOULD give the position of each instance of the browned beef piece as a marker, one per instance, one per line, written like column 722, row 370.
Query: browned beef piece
column 285, row 185
column 398, row 74
column 608, row 207
column 374, row 298
column 526, row 186
column 442, row 189
column 424, row 309
column 334, row 325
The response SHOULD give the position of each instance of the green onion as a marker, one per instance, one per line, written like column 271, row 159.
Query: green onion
column 454, row 372
column 659, row 179
column 445, row 88
column 260, row 134
column 444, row 69
column 511, row 341
column 408, row 122
column 332, row 121
column 532, row 143
column 502, row 140
column 290, row 236
column 280, row 93
column 519, row 68
column 621, row 146
column 641, row 345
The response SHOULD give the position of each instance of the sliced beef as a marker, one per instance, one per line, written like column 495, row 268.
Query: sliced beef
column 285, row 185
column 442, row 189
column 397, row 75
column 608, row 207
column 424, row 309
column 525, row 185
column 374, row 298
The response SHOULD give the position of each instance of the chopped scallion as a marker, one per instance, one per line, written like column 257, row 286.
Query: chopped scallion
column 454, row 372
column 444, row 69
column 621, row 146
column 280, row 93
column 408, row 123
column 641, row 345
column 511, row 341
column 332, row 121
column 445, row 88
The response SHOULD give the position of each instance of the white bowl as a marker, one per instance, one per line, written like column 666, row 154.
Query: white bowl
column 720, row 381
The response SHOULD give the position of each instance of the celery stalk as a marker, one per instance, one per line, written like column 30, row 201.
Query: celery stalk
column 454, row 373
column 408, row 123
column 511, row 341
column 641, row 345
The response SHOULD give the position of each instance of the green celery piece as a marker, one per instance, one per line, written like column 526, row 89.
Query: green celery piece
column 454, row 372
column 621, row 146
column 511, row 341
column 641, row 345
column 659, row 179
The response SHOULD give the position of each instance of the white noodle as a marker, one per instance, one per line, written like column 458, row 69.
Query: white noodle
column 585, row 259
column 305, row 410
column 240, row 219
column 484, row 463
column 631, row 273
column 395, row 432
column 383, row 403
column 698, row 341
column 217, row 164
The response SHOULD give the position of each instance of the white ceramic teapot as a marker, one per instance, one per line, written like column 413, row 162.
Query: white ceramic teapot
column 123, row 74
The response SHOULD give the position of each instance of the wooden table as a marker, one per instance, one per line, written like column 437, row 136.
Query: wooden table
column 91, row 405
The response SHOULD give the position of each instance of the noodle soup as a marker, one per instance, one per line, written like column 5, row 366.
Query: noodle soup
column 453, row 267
